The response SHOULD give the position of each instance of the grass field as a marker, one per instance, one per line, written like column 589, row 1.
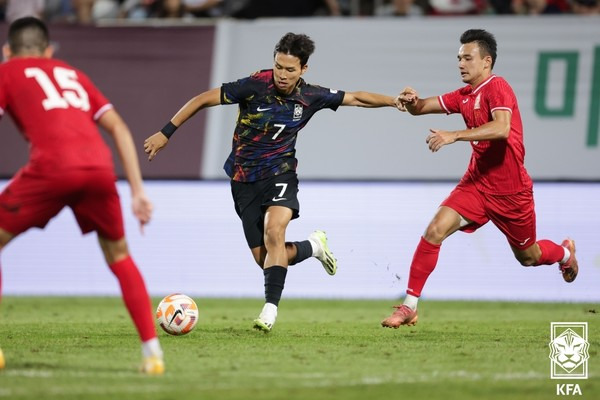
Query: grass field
column 86, row 348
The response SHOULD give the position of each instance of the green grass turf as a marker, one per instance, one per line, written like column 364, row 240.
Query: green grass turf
column 86, row 348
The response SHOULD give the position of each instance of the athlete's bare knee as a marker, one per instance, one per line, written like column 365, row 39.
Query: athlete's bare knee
column 526, row 261
column 274, row 236
column 114, row 250
column 433, row 233
column 528, row 257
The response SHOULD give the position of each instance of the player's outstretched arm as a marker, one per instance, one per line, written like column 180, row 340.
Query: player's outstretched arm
column 366, row 99
column 159, row 140
column 112, row 123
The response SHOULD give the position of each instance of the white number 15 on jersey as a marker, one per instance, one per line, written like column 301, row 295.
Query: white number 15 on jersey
column 73, row 94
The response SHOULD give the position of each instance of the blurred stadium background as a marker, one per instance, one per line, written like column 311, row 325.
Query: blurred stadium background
column 367, row 177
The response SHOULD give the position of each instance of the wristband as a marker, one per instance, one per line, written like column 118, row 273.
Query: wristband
column 169, row 129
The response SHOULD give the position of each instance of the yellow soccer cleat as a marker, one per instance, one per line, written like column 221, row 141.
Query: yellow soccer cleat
column 324, row 254
column 266, row 319
column 153, row 365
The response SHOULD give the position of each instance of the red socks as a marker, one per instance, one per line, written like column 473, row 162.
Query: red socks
column 551, row 252
column 423, row 263
column 426, row 257
column 135, row 296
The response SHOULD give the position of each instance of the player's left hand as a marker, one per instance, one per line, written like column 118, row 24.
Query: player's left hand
column 142, row 209
column 438, row 138
column 154, row 144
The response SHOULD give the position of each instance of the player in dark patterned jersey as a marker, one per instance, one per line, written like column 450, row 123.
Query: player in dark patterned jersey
column 273, row 106
column 264, row 140
column 56, row 107
column 496, row 186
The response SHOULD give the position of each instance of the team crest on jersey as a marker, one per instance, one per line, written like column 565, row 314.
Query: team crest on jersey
column 298, row 111
column 477, row 102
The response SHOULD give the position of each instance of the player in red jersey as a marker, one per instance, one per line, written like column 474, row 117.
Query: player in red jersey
column 56, row 107
column 496, row 186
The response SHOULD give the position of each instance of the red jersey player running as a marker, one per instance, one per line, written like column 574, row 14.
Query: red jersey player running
column 496, row 185
column 56, row 107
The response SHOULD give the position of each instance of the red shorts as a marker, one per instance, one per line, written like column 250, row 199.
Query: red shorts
column 32, row 198
column 513, row 214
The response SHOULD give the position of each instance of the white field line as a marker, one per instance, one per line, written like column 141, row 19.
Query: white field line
column 141, row 384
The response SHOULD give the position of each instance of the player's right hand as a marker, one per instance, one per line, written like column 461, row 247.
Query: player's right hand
column 154, row 144
column 142, row 209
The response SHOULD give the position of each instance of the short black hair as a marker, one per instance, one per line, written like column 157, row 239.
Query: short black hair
column 297, row 45
column 485, row 40
column 28, row 34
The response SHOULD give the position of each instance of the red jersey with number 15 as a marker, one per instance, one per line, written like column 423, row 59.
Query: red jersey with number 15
column 496, row 166
column 56, row 108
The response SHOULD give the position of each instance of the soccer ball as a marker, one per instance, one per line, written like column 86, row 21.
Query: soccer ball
column 177, row 314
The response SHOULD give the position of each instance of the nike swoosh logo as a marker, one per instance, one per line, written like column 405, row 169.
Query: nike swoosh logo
column 262, row 109
column 175, row 315
column 524, row 241
column 465, row 100
column 279, row 199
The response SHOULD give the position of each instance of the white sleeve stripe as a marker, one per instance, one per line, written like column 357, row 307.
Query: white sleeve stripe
column 102, row 110
column 502, row 108
column 443, row 104
column 1, row 111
